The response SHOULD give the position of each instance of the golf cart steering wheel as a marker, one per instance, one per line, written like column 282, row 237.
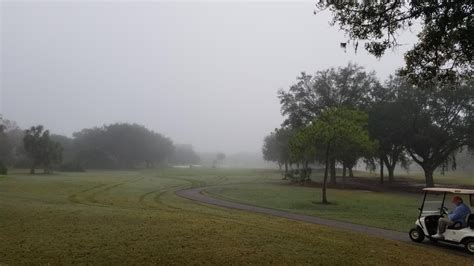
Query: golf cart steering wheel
column 444, row 211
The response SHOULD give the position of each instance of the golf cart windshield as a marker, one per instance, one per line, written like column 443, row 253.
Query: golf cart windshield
column 432, row 204
column 436, row 203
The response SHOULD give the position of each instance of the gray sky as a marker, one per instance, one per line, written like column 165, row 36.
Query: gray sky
column 203, row 73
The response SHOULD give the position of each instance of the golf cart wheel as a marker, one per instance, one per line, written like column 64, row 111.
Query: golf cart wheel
column 416, row 234
column 469, row 245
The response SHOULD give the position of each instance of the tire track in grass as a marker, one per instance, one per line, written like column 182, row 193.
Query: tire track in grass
column 92, row 197
column 90, row 200
column 74, row 197
column 160, row 191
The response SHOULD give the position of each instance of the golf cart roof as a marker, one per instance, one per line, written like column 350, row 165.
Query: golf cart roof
column 449, row 190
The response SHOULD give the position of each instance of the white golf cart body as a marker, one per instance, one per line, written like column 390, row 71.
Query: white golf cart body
column 453, row 235
column 427, row 222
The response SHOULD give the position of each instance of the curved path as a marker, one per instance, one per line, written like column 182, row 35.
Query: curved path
column 197, row 195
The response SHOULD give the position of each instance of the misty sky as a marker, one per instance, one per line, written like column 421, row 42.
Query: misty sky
column 203, row 73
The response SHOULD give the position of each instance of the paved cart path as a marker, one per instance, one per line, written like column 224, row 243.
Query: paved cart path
column 197, row 195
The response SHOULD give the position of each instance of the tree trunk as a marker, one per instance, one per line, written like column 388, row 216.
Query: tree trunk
column 429, row 176
column 391, row 170
column 390, row 166
column 306, row 171
column 325, row 201
column 381, row 170
column 32, row 169
column 333, row 171
column 351, row 174
column 286, row 170
column 344, row 170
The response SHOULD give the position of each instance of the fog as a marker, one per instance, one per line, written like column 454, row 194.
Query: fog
column 202, row 73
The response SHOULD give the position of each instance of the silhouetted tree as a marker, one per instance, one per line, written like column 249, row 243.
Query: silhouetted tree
column 276, row 148
column 387, row 126
column 445, row 44
column 5, row 148
column 184, row 154
column 350, row 86
column 42, row 151
column 121, row 145
column 439, row 121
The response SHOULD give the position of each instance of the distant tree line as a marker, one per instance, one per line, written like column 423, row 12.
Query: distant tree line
column 115, row 146
column 340, row 116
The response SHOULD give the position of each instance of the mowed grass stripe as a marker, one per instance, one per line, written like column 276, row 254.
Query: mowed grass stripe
column 188, row 234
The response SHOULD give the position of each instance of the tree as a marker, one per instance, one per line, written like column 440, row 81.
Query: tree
column 350, row 86
column 184, row 154
column 303, row 149
column 445, row 44
column 121, row 145
column 340, row 130
column 439, row 121
column 5, row 148
column 386, row 126
column 276, row 148
column 41, row 149
column 67, row 145
column 220, row 156
column 16, row 156
column 271, row 149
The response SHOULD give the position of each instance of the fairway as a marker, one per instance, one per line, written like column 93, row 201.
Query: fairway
column 134, row 217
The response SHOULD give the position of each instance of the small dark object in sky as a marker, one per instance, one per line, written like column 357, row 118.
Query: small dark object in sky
column 343, row 45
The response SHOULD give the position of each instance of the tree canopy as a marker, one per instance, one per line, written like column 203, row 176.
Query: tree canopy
column 42, row 151
column 439, row 121
column 121, row 146
column 445, row 43
column 340, row 131
column 349, row 86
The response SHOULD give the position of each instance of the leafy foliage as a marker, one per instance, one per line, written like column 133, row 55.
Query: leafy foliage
column 5, row 147
column 42, row 151
column 445, row 44
column 303, row 149
column 339, row 132
column 439, row 122
column 121, row 146
column 348, row 86
column 386, row 126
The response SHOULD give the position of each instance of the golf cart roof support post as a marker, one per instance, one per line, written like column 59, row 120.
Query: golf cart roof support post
column 442, row 203
column 421, row 209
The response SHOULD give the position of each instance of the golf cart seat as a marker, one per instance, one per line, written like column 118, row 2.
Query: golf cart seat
column 470, row 221
column 456, row 226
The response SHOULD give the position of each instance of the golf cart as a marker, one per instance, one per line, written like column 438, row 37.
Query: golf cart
column 433, row 207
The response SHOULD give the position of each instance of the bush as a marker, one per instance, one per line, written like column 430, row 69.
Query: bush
column 71, row 167
column 3, row 169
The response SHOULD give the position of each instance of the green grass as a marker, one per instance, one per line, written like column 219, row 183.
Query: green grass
column 395, row 211
column 450, row 177
column 384, row 210
column 134, row 217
